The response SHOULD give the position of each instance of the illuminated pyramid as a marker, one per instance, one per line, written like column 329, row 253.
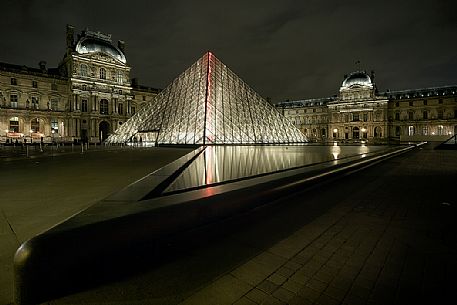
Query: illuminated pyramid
column 208, row 104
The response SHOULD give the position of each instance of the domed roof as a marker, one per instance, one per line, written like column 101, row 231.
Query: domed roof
column 358, row 78
column 92, row 44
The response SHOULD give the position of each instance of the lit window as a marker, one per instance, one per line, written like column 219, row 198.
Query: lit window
column 103, row 106
column 83, row 70
column 119, row 77
column 34, row 84
column 54, row 126
column 13, row 81
column 102, row 73
column 440, row 130
column 425, row 130
column 410, row 130
column 14, row 124
column 84, row 105
column 35, row 125
column 13, row 101
column 120, row 109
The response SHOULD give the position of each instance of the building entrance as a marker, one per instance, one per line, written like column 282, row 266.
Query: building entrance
column 103, row 128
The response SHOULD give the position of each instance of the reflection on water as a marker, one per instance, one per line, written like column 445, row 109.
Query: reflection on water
column 225, row 163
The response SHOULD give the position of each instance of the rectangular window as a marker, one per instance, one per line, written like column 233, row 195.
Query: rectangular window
column 34, row 84
column 365, row 117
column 120, row 109
column 13, row 81
column 440, row 101
column 425, row 130
column 440, row 113
column 397, row 104
column 411, row 115
column 410, row 130
column 397, row 116
column 103, row 106
column 440, row 130
column 53, row 86
column 397, row 131
column 425, row 115
column 119, row 77
column 14, row 125
column 13, row 101
column 83, row 105
column 355, row 117
column 425, row 102
column 455, row 114
column 54, row 105
column 54, row 126
column 35, row 104
column 133, row 110
column 144, row 98
column 411, row 103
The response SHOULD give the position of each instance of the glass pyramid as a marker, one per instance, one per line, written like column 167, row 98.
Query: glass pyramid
column 208, row 104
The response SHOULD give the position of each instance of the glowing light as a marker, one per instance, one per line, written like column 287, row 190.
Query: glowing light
column 335, row 130
column 364, row 129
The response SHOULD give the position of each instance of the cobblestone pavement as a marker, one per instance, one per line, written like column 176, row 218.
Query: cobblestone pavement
column 384, row 235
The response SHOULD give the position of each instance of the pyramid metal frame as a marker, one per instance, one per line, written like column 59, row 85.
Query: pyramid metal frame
column 209, row 104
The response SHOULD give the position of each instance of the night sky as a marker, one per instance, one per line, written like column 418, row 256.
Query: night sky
column 283, row 49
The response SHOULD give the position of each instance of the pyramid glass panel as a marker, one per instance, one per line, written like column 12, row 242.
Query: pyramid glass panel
column 209, row 104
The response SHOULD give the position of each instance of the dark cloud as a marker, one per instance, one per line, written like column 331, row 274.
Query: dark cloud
column 283, row 49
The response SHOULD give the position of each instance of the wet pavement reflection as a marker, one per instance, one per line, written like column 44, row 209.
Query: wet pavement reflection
column 217, row 164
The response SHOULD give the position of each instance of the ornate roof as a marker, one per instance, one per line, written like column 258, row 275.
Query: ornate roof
column 92, row 44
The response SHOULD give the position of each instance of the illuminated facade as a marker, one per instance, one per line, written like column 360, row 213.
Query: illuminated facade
column 208, row 104
column 85, row 99
column 359, row 112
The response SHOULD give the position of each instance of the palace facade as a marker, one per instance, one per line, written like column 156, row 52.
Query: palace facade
column 87, row 97
column 360, row 113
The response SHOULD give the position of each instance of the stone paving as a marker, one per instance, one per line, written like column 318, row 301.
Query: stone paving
column 384, row 235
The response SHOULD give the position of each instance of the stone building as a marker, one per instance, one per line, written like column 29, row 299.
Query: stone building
column 360, row 113
column 87, row 97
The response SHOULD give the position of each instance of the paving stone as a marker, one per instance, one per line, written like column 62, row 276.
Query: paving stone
column 257, row 295
column 268, row 286
column 277, row 278
column 286, row 272
column 309, row 293
column 326, row 300
column 292, row 285
column 283, row 294
column 317, row 285
column 245, row 301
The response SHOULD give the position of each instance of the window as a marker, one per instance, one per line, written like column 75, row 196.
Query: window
column 34, row 84
column 119, row 77
column 35, row 104
column 410, row 130
column 440, row 101
column 455, row 113
column 397, row 104
column 102, row 73
column 425, row 115
column 13, row 81
column 53, row 86
column 54, row 105
column 411, row 103
column 397, row 131
column 425, row 130
column 103, row 106
column 120, row 109
column 425, row 102
column 83, row 70
column 133, row 110
column 397, row 116
column 84, row 105
column 365, row 117
column 411, row 115
column 355, row 117
column 54, row 126
column 35, row 125
column 440, row 113
column 14, row 124
column 84, row 87
column 13, row 101
column 440, row 130
column 144, row 98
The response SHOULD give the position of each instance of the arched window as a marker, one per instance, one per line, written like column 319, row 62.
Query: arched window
column 83, row 70
column 35, row 125
column 14, row 124
column 103, row 106
column 102, row 73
